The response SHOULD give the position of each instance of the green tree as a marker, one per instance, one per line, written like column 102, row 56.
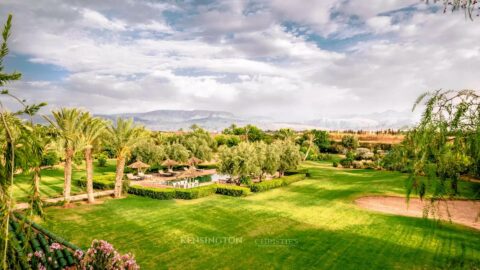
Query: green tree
column 285, row 134
column 92, row 130
column 350, row 142
column 290, row 156
column 124, row 135
column 177, row 152
column 149, row 153
column 441, row 144
column 268, row 156
column 23, row 145
column 321, row 139
column 246, row 160
column 68, row 123
column 226, row 164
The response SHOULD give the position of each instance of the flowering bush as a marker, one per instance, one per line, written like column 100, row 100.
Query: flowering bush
column 102, row 255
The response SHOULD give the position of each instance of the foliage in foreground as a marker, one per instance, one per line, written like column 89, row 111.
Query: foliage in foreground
column 443, row 146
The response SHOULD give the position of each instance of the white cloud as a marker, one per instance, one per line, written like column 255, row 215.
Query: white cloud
column 239, row 56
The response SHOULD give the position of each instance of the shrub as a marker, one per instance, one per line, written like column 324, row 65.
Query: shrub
column 335, row 164
column 357, row 164
column 102, row 160
column 266, row 185
column 50, row 158
column 207, row 166
column 280, row 182
column 234, row 191
column 363, row 153
column 346, row 162
column 155, row 193
column 194, row 193
column 102, row 255
column 324, row 157
column 369, row 165
column 246, row 180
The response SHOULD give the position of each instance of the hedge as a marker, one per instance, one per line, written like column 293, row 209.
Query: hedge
column 188, row 194
column 280, row 182
column 172, row 193
column 194, row 193
column 234, row 191
column 155, row 193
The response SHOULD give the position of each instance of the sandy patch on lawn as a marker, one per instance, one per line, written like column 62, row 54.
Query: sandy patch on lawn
column 458, row 211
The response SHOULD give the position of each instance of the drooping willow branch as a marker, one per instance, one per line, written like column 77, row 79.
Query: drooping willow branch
column 468, row 6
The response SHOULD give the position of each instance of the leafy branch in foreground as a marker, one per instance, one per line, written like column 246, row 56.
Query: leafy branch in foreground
column 468, row 6
column 21, row 147
column 446, row 142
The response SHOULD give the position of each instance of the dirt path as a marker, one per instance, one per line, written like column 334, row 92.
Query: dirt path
column 462, row 212
column 74, row 198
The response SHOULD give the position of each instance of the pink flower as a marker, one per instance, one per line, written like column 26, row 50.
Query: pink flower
column 55, row 246
column 38, row 254
column 78, row 254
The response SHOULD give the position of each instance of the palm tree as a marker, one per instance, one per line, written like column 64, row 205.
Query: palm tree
column 124, row 136
column 69, row 123
column 93, row 128
column 310, row 137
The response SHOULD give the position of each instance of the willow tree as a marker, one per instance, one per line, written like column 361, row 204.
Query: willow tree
column 124, row 135
column 468, row 6
column 68, row 122
column 445, row 144
column 91, row 131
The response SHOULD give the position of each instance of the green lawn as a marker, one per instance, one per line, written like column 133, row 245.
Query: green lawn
column 314, row 223
column 52, row 181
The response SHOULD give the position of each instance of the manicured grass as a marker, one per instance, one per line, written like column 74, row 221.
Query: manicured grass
column 313, row 222
column 52, row 181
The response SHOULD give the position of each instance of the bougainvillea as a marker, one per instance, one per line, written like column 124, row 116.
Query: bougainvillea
column 102, row 255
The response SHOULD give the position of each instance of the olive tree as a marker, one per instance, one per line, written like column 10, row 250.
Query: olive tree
column 290, row 156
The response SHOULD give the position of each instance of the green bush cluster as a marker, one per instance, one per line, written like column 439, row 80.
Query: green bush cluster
column 102, row 159
column 50, row 158
column 234, row 191
column 102, row 182
column 271, row 184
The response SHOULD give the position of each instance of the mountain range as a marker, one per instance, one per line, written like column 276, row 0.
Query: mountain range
column 171, row 120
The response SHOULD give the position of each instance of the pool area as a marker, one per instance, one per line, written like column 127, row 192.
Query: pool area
column 208, row 178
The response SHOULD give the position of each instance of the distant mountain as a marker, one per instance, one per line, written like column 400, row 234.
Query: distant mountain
column 374, row 121
column 170, row 120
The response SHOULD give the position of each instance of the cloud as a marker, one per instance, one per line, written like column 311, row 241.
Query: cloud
column 260, row 57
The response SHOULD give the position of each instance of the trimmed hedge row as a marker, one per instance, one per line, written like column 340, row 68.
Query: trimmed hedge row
column 280, row 182
column 155, row 193
column 234, row 191
column 195, row 193
column 188, row 194
column 173, row 193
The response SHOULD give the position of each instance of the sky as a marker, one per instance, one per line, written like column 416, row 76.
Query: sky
column 289, row 60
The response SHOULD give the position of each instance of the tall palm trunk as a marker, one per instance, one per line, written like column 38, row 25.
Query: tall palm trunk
column 67, row 185
column 119, row 176
column 89, row 170
column 36, row 202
